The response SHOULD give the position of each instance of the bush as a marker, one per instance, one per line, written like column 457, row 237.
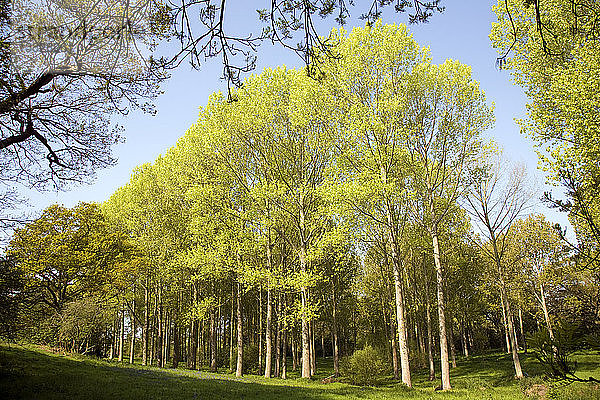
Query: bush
column 364, row 367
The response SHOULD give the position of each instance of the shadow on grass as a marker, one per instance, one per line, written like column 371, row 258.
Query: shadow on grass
column 27, row 374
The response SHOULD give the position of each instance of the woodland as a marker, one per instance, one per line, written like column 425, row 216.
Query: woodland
column 348, row 222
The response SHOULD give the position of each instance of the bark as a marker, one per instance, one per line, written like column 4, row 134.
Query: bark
column 334, row 333
column 545, row 310
column 240, row 336
column 268, row 338
column 146, row 324
column 284, row 355
column 132, row 348
column 505, row 323
column 278, row 338
column 294, row 355
column 313, row 351
column 522, row 331
column 463, row 334
column 400, row 315
column 122, row 333
column 401, row 319
column 452, row 346
column 429, row 337
column 231, row 325
column 260, row 329
column 213, row 342
column 441, row 312
column 511, row 332
column 305, row 335
column 394, row 350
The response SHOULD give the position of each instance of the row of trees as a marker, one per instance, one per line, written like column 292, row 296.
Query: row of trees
column 337, row 209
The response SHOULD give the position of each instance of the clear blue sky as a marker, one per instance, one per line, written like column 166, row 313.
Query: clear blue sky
column 460, row 33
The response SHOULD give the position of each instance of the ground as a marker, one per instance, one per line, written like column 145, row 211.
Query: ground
column 33, row 372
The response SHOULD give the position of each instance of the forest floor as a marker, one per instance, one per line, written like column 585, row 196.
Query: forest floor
column 33, row 372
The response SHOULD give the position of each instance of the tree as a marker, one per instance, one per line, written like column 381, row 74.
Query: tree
column 68, row 66
column 67, row 253
column 444, row 116
column 370, row 175
column 498, row 196
column 542, row 255
column 552, row 51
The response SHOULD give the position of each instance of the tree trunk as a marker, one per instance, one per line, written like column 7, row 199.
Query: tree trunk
column 146, row 332
column 334, row 335
column 260, row 329
column 441, row 312
column 305, row 333
column 240, row 337
column 545, row 310
column 394, row 346
column 511, row 330
column 505, row 322
column 294, row 355
column 313, row 351
column 231, row 325
column 400, row 315
column 463, row 334
column 522, row 331
column 284, row 355
column 452, row 346
column 132, row 348
column 122, row 333
column 278, row 338
column 213, row 342
column 268, row 337
column 429, row 336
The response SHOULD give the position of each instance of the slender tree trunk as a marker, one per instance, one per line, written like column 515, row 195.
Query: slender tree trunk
column 545, row 310
column 305, row 333
column 213, row 342
column 429, row 336
column 511, row 331
column 231, row 325
column 268, row 336
column 284, row 355
column 441, row 312
column 334, row 334
column 522, row 331
column 132, row 348
column 394, row 346
column 313, row 351
column 400, row 315
column 122, row 333
column 294, row 355
column 505, row 323
column 260, row 329
column 146, row 332
column 240, row 333
column 463, row 334
column 452, row 346
column 278, row 338
column 111, row 353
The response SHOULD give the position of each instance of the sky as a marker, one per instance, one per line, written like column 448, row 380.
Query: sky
column 459, row 33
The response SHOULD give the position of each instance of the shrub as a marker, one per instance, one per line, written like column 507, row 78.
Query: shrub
column 365, row 366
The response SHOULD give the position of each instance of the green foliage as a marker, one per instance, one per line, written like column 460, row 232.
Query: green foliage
column 555, row 354
column 12, row 297
column 365, row 367
column 83, row 325
column 67, row 253
column 555, row 56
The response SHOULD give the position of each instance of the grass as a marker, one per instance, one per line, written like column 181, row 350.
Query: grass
column 32, row 372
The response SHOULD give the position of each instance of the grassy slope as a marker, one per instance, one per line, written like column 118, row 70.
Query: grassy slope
column 33, row 373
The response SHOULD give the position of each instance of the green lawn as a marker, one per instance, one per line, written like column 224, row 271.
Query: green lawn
column 34, row 373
